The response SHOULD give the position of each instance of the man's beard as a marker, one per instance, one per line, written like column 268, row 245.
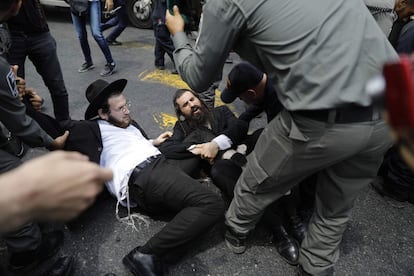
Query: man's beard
column 200, row 119
column 118, row 123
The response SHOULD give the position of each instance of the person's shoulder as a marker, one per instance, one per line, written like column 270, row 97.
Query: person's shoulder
column 222, row 108
column 79, row 124
column 5, row 67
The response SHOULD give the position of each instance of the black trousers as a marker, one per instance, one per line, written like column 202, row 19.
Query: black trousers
column 225, row 174
column 163, row 44
column 41, row 50
column 161, row 188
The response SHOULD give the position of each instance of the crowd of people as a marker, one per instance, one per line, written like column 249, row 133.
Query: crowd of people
column 306, row 66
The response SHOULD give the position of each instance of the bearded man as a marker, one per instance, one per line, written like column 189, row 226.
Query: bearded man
column 212, row 141
column 142, row 176
column 201, row 135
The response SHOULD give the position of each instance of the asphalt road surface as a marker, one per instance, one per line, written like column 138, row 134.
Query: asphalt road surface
column 379, row 239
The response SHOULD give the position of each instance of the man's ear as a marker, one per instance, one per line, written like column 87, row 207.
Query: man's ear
column 102, row 115
column 251, row 93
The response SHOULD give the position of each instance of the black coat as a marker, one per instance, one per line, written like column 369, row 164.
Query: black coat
column 224, row 122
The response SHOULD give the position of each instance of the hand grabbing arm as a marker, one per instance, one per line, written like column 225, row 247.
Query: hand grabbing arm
column 35, row 99
column 59, row 142
column 206, row 151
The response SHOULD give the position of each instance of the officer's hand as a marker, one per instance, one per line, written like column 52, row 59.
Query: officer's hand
column 174, row 23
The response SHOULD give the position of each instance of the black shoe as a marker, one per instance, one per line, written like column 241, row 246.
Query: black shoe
column 297, row 228
column 113, row 42
column 108, row 70
column 141, row 264
column 62, row 267
column 51, row 242
column 235, row 242
column 86, row 67
column 160, row 67
column 379, row 186
column 287, row 246
column 174, row 71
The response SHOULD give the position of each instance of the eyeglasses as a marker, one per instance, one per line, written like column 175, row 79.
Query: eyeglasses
column 125, row 107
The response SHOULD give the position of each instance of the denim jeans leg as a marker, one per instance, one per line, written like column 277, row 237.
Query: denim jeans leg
column 110, row 23
column 95, row 17
column 80, row 26
column 164, row 39
column 122, row 22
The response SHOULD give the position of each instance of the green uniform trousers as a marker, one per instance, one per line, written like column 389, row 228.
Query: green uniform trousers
column 292, row 147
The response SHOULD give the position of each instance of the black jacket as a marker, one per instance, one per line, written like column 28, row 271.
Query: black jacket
column 224, row 122
column 31, row 19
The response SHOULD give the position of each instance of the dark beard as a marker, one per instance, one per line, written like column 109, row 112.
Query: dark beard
column 117, row 123
column 201, row 119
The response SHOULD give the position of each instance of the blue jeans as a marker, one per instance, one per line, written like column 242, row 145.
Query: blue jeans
column 41, row 50
column 95, row 21
column 119, row 21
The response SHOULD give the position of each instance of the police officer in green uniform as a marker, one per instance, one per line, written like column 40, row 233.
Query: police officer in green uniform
column 319, row 55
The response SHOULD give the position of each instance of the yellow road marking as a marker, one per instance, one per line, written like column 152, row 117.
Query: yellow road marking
column 166, row 121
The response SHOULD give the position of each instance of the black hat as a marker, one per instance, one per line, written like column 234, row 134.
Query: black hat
column 242, row 77
column 98, row 91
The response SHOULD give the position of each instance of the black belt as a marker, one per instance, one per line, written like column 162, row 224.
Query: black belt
column 343, row 115
column 138, row 168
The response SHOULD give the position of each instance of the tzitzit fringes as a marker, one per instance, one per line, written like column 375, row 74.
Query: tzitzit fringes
column 130, row 219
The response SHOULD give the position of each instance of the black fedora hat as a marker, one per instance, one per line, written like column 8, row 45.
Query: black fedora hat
column 98, row 91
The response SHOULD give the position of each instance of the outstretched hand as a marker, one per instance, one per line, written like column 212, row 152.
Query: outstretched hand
column 160, row 139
